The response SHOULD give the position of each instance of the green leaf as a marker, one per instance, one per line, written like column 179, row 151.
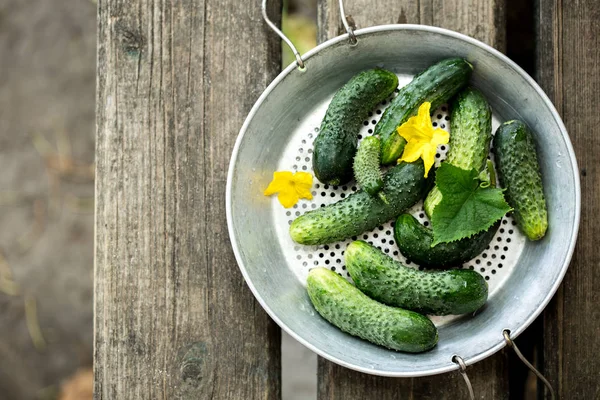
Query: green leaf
column 467, row 206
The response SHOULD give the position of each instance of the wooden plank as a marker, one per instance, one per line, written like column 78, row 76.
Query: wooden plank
column 568, row 69
column 489, row 379
column 173, row 316
column 484, row 20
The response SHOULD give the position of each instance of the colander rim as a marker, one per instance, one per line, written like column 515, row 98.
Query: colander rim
column 508, row 62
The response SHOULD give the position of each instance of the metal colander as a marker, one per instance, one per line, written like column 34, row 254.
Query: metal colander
column 278, row 135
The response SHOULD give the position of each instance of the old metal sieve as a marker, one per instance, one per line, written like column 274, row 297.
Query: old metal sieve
column 278, row 135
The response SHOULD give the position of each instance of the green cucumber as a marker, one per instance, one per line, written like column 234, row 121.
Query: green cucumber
column 346, row 307
column 335, row 145
column 470, row 137
column 366, row 166
column 404, row 185
column 414, row 241
column 519, row 173
column 457, row 291
column 437, row 84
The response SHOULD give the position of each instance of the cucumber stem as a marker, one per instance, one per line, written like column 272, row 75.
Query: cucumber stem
column 492, row 172
column 383, row 197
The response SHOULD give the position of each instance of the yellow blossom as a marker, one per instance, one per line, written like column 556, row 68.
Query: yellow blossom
column 422, row 139
column 291, row 187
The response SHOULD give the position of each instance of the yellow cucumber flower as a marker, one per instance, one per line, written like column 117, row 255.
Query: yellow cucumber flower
column 422, row 139
column 291, row 187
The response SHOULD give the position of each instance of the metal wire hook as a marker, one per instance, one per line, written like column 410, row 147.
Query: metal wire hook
column 287, row 41
column 346, row 20
column 512, row 345
column 348, row 24
column 462, row 368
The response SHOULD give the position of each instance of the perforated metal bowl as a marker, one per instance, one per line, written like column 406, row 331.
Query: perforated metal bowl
column 278, row 135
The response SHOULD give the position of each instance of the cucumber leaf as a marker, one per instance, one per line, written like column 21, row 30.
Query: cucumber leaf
column 468, row 206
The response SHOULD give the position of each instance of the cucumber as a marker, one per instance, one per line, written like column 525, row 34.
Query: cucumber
column 437, row 84
column 403, row 186
column 519, row 173
column 457, row 291
column 366, row 166
column 414, row 241
column 470, row 137
column 349, row 309
column 335, row 145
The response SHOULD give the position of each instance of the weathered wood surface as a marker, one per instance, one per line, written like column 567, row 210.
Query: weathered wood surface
column 173, row 316
column 484, row 20
column 569, row 71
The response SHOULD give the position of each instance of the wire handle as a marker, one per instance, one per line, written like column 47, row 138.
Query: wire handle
column 512, row 345
column 347, row 20
column 462, row 368
column 299, row 60
column 349, row 24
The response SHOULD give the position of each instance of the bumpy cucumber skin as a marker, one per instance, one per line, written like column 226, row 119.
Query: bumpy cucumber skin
column 353, row 312
column 414, row 241
column 457, row 291
column 403, row 186
column 366, row 165
column 471, row 127
column 437, row 84
column 335, row 145
column 470, row 137
column 519, row 173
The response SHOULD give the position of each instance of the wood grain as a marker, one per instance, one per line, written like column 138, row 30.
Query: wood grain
column 484, row 20
column 173, row 316
column 568, row 66
column 489, row 379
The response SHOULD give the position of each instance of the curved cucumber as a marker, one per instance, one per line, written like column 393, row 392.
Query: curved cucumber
column 366, row 165
column 404, row 185
column 335, row 146
column 437, row 84
column 349, row 309
column 457, row 291
column 414, row 241
column 519, row 172
column 470, row 137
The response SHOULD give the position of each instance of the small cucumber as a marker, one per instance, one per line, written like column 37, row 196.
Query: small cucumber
column 403, row 186
column 519, row 172
column 437, row 84
column 414, row 241
column 335, row 145
column 366, row 166
column 349, row 309
column 470, row 137
column 457, row 291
